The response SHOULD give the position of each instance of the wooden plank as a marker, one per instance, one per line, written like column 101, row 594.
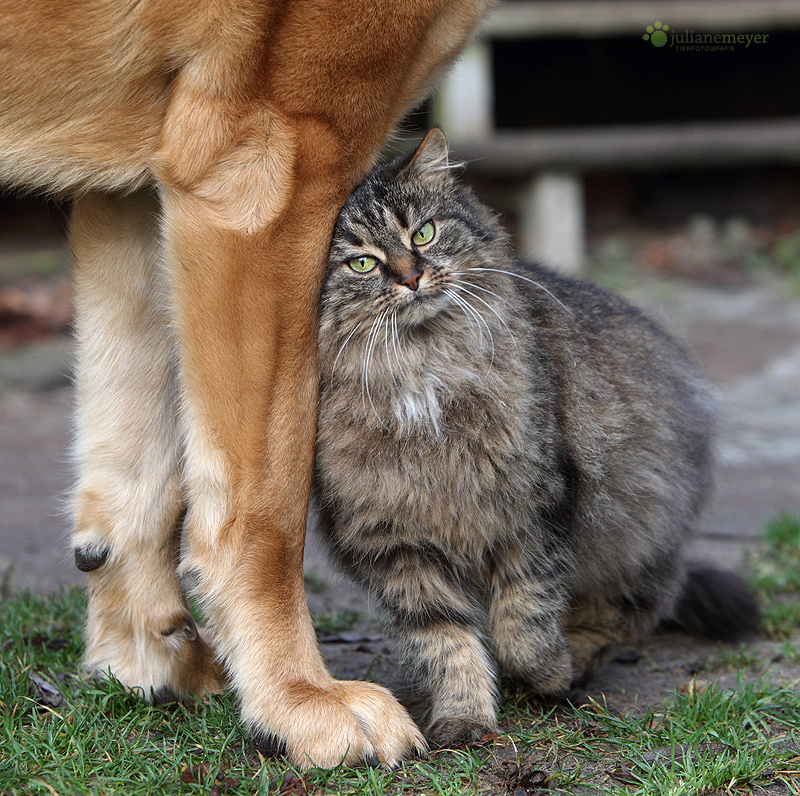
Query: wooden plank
column 597, row 18
column 644, row 147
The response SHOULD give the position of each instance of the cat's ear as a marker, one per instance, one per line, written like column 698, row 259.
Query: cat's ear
column 431, row 157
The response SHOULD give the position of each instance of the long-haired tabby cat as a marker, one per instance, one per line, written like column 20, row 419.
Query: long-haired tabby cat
column 509, row 460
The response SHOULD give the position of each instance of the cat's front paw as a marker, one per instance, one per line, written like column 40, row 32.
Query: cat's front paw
column 549, row 673
column 553, row 677
column 451, row 732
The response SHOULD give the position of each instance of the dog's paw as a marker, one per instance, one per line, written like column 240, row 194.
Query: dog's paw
column 169, row 660
column 351, row 723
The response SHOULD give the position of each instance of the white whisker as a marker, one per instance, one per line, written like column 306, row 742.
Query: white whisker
column 372, row 339
column 389, row 313
column 484, row 289
column 398, row 349
column 460, row 286
column 526, row 279
column 364, row 365
column 470, row 313
column 339, row 352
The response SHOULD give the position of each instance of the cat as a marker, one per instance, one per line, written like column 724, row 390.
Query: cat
column 509, row 460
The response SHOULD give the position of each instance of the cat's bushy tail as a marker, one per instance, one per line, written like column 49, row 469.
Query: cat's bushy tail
column 715, row 603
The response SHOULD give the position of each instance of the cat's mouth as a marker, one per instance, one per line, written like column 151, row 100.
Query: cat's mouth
column 415, row 307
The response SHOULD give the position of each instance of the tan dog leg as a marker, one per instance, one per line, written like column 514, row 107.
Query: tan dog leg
column 128, row 498
column 247, row 317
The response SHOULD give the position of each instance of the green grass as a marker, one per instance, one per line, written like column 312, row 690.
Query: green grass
column 336, row 621
column 781, row 259
column 696, row 742
column 104, row 740
column 776, row 576
column 785, row 254
column 100, row 739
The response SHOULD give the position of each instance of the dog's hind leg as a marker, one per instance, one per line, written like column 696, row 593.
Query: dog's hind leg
column 128, row 499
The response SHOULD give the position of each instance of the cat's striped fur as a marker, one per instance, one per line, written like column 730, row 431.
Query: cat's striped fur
column 510, row 461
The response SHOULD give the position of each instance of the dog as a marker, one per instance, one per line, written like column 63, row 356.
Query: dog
column 208, row 148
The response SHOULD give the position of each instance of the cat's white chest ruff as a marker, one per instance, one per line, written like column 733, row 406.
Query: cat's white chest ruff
column 419, row 404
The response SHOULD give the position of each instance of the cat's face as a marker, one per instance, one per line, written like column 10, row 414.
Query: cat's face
column 407, row 240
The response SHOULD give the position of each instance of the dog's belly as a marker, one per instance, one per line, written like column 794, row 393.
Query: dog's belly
column 84, row 88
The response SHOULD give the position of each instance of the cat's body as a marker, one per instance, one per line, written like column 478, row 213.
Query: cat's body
column 510, row 461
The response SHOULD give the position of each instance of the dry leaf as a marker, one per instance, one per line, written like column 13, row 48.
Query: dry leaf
column 201, row 775
column 293, row 785
column 484, row 740
column 523, row 780
column 46, row 693
column 694, row 686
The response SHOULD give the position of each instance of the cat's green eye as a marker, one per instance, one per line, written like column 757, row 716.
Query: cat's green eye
column 424, row 234
column 363, row 264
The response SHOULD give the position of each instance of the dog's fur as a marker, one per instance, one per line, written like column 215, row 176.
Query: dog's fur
column 209, row 146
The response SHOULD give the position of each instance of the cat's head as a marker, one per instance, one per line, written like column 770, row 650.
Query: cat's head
column 406, row 236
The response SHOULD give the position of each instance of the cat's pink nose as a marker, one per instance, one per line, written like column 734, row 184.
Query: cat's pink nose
column 411, row 280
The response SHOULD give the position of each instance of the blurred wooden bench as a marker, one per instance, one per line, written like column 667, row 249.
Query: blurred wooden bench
column 553, row 161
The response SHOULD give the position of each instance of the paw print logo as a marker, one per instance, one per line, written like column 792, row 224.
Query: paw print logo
column 656, row 34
